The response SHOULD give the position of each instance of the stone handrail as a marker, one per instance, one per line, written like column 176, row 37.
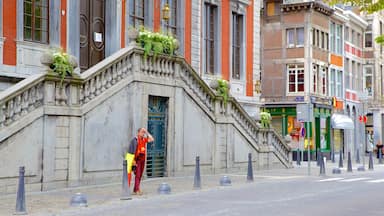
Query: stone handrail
column 197, row 85
column 262, row 136
column 21, row 99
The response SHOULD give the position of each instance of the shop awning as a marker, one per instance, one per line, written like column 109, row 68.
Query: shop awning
column 340, row 121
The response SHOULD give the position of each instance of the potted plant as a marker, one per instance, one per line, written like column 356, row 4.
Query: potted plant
column 59, row 62
column 156, row 43
column 222, row 88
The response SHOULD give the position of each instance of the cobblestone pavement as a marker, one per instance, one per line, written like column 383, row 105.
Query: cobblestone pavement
column 52, row 202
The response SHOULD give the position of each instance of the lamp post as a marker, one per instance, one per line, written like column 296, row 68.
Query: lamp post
column 363, row 96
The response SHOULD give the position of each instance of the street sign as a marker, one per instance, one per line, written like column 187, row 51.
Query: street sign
column 302, row 132
column 304, row 112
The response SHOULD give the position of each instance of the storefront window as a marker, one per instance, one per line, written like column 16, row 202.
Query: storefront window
column 338, row 139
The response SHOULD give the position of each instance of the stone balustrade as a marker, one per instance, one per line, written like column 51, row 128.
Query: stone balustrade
column 21, row 99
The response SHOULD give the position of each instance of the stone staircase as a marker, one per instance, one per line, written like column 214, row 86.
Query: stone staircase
column 43, row 122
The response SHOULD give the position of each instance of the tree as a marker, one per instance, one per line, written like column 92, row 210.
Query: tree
column 369, row 6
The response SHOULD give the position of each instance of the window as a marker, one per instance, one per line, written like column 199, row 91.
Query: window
column 368, row 81
column 368, row 39
column 347, row 72
column 339, row 45
column 300, row 36
column 346, row 33
column 336, row 38
column 136, row 13
column 332, row 83
column 291, row 37
column 353, row 74
column 314, row 37
column 36, row 18
column 210, row 16
column 322, row 40
column 273, row 8
column 237, row 41
column 315, row 67
column 171, row 24
column 339, row 84
column 353, row 37
column 323, row 80
column 332, row 36
column 295, row 78
column 295, row 37
column 358, row 42
column 318, row 38
column 336, row 83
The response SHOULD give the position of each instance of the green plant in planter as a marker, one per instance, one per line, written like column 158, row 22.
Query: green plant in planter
column 223, row 90
column 61, row 65
column 265, row 119
column 156, row 42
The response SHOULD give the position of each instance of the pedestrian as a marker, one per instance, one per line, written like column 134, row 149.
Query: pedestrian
column 138, row 147
column 369, row 141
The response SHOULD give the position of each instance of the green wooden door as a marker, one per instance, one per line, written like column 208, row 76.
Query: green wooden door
column 157, row 126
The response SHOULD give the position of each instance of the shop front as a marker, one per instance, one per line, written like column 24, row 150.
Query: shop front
column 316, row 134
column 342, row 125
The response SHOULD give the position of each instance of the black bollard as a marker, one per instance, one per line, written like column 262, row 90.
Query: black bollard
column 341, row 160
column 318, row 157
column 322, row 165
column 349, row 169
column 250, row 169
column 126, row 192
column 357, row 156
column 298, row 158
column 370, row 164
column 20, row 200
column 197, row 179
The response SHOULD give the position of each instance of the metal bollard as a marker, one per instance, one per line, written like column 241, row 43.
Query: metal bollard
column 225, row 181
column 370, row 164
column 322, row 165
column 164, row 188
column 357, row 156
column 197, row 179
column 126, row 192
column 79, row 200
column 20, row 200
column 250, row 169
column 341, row 160
column 349, row 169
column 298, row 158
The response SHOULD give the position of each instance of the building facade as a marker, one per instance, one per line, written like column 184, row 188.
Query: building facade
column 295, row 64
column 373, row 76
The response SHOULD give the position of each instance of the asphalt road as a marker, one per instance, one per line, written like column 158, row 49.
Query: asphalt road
column 356, row 194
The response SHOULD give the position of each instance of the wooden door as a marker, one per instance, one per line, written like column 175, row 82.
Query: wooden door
column 92, row 34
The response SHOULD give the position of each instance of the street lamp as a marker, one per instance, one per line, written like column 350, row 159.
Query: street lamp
column 165, row 11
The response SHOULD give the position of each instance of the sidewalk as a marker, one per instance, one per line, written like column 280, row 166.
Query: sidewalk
column 53, row 202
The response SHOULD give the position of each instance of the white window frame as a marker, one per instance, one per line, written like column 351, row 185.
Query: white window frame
column 292, row 40
column 370, row 93
column 297, row 69
column 216, row 40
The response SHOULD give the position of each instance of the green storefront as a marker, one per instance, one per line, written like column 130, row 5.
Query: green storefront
column 284, row 121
